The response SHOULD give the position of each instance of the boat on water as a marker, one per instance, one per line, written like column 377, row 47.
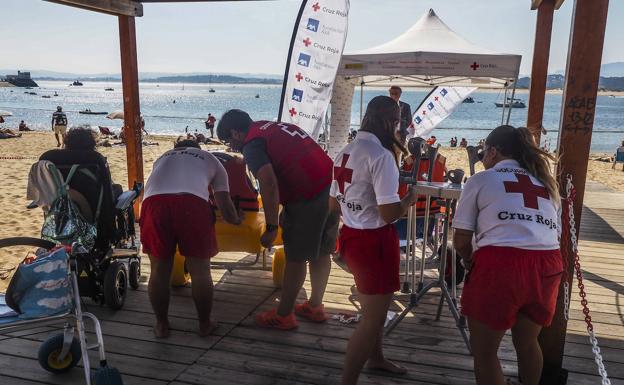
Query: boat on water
column 212, row 90
column 89, row 112
column 109, row 89
column 468, row 100
column 46, row 96
column 55, row 94
column 257, row 96
column 32, row 93
column 515, row 103
column 76, row 83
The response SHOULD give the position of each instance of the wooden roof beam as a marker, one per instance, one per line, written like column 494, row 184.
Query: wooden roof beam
column 111, row 7
column 536, row 3
column 194, row 1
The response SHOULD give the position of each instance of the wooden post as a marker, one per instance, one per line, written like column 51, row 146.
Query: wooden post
column 539, row 71
column 132, row 110
column 577, row 119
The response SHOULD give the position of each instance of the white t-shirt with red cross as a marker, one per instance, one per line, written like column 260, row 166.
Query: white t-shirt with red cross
column 506, row 206
column 365, row 176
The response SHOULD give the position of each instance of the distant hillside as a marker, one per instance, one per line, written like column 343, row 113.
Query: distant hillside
column 212, row 79
column 615, row 69
column 558, row 81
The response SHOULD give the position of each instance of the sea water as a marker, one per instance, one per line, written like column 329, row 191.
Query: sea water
column 172, row 108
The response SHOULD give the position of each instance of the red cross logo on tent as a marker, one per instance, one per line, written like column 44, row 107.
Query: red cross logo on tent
column 343, row 174
column 424, row 112
column 292, row 112
column 530, row 192
column 316, row 7
column 435, row 99
column 307, row 41
column 299, row 76
column 474, row 66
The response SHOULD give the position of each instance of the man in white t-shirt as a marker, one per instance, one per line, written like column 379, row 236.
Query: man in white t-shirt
column 176, row 212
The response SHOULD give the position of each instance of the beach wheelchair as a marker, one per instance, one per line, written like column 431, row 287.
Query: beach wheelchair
column 112, row 263
column 245, row 237
column 44, row 292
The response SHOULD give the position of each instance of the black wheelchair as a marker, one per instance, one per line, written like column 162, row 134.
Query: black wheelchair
column 113, row 264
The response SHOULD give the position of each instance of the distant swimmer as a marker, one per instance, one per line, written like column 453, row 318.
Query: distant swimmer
column 173, row 101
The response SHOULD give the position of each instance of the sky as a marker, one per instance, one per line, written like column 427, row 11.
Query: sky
column 253, row 37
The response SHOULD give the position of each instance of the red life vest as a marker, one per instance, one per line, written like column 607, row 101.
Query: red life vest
column 438, row 176
column 243, row 193
column 302, row 168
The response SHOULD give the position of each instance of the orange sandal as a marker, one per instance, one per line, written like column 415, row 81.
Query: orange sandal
column 270, row 319
column 314, row 314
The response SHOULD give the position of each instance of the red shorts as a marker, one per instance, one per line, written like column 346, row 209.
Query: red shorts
column 505, row 281
column 183, row 220
column 373, row 257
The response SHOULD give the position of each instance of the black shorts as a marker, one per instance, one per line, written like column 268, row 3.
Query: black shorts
column 308, row 230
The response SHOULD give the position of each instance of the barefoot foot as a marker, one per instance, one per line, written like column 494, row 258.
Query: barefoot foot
column 386, row 366
column 161, row 330
column 207, row 329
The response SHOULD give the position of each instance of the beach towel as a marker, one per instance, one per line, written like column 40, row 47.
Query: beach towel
column 41, row 288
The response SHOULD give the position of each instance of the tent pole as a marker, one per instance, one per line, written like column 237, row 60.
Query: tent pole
column 361, row 101
column 504, row 103
column 513, row 94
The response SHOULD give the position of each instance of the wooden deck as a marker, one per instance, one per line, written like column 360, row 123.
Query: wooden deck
column 240, row 353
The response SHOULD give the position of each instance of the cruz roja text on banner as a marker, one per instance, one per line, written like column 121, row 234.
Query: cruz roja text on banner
column 315, row 52
column 436, row 107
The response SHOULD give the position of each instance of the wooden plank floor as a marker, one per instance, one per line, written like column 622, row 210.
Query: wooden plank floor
column 240, row 353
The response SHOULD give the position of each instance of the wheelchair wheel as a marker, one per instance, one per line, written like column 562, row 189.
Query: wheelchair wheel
column 107, row 376
column 115, row 285
column 278, row 266
column 49, row 352
column 26, row 241
column 134, row 274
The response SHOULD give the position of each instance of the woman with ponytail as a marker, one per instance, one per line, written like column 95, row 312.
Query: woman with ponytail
column 510, row 212
column 364, row 191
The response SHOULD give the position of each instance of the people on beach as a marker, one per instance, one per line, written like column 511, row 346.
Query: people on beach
column 366, row 177
column 210, row 123
column 431, row 141
column 406, row 112
column 295, row 172
column 463, row 143
column 454, row 141
column 176, row 212
column 23, row 127
column 6, row 133
column 59, row 125
column 511, row 213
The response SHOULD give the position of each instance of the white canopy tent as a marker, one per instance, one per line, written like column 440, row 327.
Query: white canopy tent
column 428, row 54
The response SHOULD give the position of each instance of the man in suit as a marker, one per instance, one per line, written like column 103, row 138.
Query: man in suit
column 406, row 111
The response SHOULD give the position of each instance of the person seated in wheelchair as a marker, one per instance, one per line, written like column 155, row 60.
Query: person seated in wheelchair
column 176, row 212
column 103, row 272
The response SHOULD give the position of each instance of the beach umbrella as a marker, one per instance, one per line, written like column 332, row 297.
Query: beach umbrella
column 5, row 113
column 117, row 114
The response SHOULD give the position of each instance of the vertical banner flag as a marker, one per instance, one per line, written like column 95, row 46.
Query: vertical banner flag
column 313, row 59
column 436, row 107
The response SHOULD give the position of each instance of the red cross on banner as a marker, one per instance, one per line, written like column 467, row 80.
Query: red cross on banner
column 343, row 174
column 474, row 66
column 307, row 41
column 530, row 192
column 316, row 7
column 299, row 76
column 292, row 111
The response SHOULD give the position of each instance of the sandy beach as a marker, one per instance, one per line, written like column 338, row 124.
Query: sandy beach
column 17, row 155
